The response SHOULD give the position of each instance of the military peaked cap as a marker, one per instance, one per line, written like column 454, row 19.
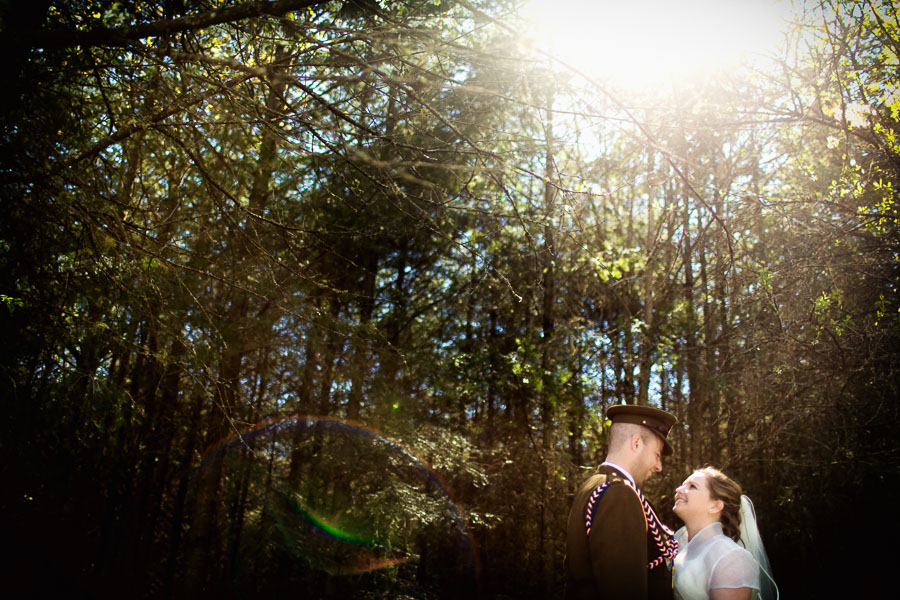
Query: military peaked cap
column 657, row 421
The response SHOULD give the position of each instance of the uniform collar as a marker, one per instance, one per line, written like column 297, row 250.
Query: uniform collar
column 621, row 469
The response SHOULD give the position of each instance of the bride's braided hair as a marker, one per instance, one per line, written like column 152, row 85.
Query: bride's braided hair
column 722, row 487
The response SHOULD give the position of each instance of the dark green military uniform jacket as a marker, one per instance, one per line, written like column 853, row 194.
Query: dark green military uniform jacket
column 612, row 562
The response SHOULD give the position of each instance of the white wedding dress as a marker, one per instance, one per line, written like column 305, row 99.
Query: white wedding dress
column 709, row 561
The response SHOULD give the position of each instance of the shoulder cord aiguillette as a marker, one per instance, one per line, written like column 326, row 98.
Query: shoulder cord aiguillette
column 668, row 548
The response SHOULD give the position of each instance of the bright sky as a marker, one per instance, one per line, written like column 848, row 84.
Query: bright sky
column 640, row 41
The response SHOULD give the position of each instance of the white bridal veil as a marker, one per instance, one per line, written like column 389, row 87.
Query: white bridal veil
column 751, row 540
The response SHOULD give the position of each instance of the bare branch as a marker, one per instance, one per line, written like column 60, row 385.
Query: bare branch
column 106, row 36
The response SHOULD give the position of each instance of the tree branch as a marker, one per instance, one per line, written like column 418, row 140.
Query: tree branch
column 105, row 36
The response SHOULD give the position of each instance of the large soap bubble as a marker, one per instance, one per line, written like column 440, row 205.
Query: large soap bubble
column 328, row 504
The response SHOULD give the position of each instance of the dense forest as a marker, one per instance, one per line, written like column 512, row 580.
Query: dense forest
column 329, row 299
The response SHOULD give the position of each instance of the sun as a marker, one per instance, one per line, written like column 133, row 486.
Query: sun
column 650, row 41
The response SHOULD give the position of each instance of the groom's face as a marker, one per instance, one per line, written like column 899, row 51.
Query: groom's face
column 649, row 459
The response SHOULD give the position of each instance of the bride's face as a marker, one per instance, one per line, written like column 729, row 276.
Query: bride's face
column 692, row 498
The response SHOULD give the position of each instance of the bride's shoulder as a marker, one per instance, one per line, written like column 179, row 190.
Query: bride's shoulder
column 723, row 546
column 734, row 568
column 734, row 555
column 726, row 545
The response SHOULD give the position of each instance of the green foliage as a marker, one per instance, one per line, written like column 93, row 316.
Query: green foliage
column 10, row 302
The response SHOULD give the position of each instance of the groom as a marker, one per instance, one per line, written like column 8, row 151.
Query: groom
column 612, row 561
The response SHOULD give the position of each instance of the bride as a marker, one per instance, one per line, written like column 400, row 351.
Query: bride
column 720, row 554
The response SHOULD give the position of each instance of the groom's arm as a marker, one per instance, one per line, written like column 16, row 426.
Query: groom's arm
column 618, row 544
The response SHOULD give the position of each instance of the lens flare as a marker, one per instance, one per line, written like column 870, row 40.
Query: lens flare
column 327, row 495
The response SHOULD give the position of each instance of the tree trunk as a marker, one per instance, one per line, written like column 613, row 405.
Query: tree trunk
column 648, row 337
column 695, row 383
column 208, row 557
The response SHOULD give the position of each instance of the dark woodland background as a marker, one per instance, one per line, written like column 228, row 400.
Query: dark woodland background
column 328, row 299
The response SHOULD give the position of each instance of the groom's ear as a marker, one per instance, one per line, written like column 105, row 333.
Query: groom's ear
column 636, row 441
